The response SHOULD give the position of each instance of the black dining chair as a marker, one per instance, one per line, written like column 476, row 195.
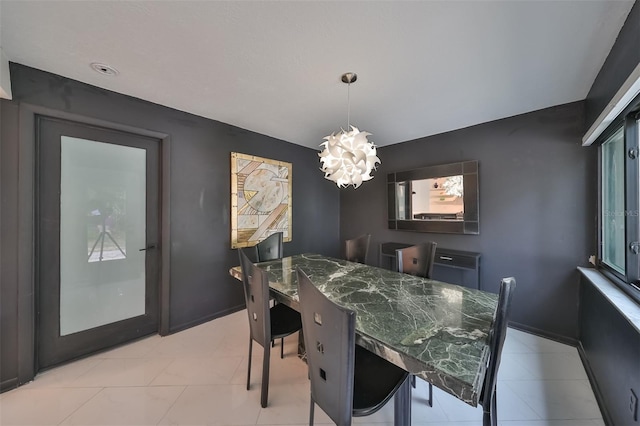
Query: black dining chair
column 488, row 395
column 346, row 380
column 265, row 323
column 356, row 249
column 418, row 260
column 270, row 248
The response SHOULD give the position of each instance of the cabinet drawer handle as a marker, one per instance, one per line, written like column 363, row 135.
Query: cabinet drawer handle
column 446, row 258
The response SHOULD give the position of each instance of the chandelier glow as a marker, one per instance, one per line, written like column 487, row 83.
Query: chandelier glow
column 348, row 158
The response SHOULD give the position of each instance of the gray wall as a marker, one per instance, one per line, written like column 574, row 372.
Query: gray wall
column 609, row 345
column 200, row 255
column 8, row 243
column 611, row 348
column 620, row 63
column 537, row 208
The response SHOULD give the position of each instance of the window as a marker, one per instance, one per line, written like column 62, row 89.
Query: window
column 613, row 212
column 619, row 218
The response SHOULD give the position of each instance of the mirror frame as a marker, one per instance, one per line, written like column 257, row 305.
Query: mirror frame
column 471, row 222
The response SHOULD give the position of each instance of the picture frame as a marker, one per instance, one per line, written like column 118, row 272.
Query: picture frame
column 260, row 199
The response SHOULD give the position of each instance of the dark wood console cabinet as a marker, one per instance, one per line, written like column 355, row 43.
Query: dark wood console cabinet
column 451, row 266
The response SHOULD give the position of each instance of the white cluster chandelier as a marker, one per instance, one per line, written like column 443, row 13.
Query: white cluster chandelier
column 348, row 158
column 453, row 185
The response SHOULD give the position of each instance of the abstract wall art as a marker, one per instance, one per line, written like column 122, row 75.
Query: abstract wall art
column 260, row 199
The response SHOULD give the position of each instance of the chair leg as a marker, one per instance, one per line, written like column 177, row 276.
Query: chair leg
column 430, row 399
column 402, row 404
column 490, row 413
column 264, row 396
column 273, row 342
column 282, row 348
column 486, row 419
column 311, row 412
column 249, row 363
column 494, row 408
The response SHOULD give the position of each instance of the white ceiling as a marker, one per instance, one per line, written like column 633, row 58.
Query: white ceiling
column 274, row 67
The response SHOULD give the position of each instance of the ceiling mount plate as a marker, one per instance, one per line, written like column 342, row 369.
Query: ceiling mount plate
column 349, row 77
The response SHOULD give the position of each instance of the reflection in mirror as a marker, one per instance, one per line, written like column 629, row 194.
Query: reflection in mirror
column 437, row 198
column 442, row 198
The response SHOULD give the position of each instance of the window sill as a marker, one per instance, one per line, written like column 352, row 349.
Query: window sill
column 618, row 298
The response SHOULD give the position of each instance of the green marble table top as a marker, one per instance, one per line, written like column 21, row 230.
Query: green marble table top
column 435, row 330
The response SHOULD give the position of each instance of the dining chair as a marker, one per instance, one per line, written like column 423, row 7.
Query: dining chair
column 356, row 249
column 346, row 380
column 265, row 323
column 418, row 260
column 270, row 248
column 488, row 395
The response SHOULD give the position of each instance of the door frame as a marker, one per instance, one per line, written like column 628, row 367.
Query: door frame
column 27, row 197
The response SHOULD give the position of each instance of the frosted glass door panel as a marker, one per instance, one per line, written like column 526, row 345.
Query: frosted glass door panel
column 102, row 229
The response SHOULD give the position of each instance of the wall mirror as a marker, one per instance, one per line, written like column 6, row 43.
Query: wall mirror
column 442, row 198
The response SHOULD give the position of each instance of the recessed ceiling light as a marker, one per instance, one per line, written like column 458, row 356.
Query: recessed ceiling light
column 104, row 68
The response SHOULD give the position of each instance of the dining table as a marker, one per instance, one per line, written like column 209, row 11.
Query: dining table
column 437, row 331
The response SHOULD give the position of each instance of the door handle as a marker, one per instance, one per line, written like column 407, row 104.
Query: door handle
column 149, row 247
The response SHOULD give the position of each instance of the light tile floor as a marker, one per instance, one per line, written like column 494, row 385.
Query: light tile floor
column 197, row 377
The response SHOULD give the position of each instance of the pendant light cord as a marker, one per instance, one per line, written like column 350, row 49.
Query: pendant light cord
column 348, row 107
